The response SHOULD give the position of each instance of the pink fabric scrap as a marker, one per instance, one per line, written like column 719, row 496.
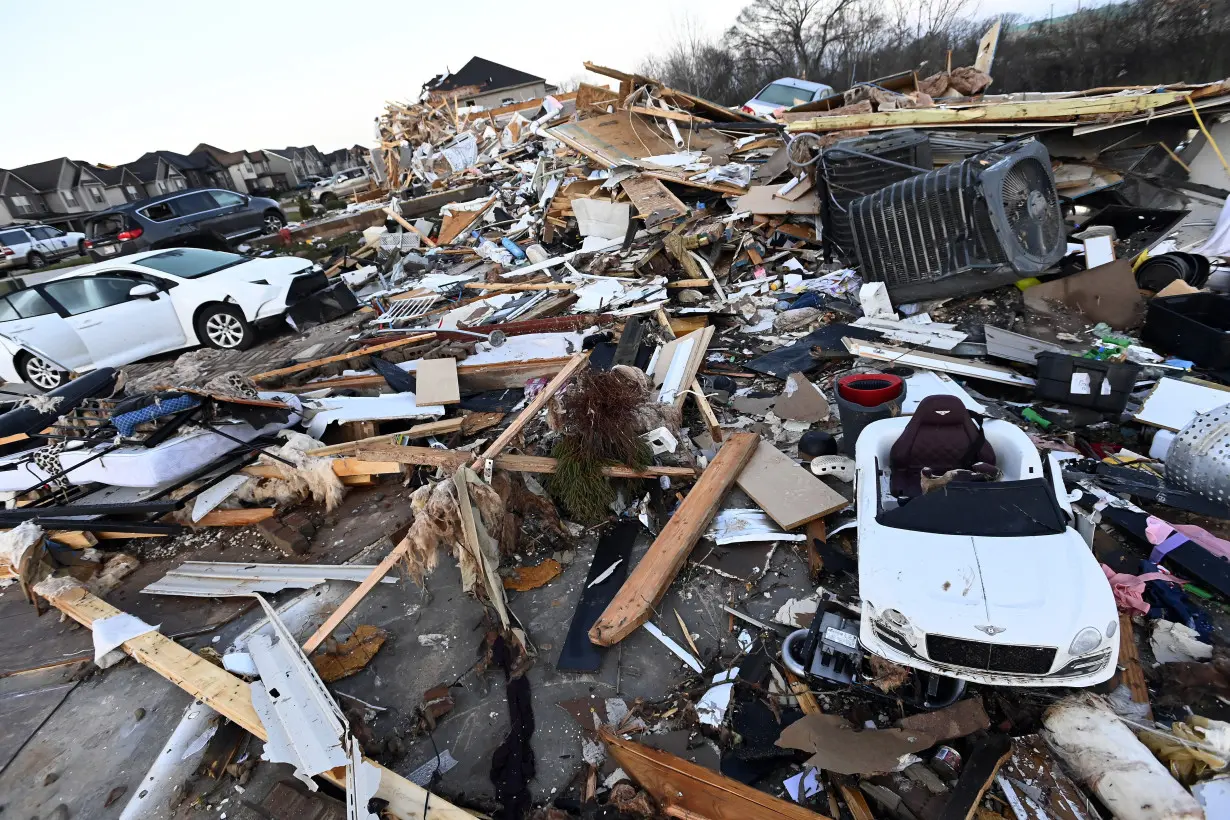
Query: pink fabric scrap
column 1158, row 531
column 1129, row 590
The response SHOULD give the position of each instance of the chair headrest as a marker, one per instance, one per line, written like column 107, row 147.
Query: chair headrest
column 941, row 411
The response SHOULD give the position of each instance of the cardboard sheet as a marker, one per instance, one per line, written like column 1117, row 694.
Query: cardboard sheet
column 1106, row 293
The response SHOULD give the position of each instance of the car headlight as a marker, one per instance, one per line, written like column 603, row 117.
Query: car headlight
column 1087, row 640
column 1110, row 629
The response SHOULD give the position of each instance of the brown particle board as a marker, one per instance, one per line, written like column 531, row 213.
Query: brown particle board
column 436, row 381
column 789, row 494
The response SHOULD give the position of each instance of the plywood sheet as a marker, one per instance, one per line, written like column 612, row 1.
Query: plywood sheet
column 436, row 381
column 789, row 494
column 652, row 199
column 762, row 199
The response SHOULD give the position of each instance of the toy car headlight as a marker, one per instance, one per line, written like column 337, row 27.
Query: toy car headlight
column 893, row 618
column 1111, row 628
column 1087, row 640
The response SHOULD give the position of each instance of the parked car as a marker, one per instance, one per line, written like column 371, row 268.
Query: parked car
column 982, row 580
column 33, row 246
column 114, row 313
column 307, row 182
column 202, row 217
column 343, row 183
column 786, row 93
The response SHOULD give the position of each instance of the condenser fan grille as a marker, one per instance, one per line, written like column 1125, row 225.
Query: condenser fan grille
column 1032, row 207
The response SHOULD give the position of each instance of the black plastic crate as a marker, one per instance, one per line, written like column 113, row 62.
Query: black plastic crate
column 1193, row 326
column 1055, row 382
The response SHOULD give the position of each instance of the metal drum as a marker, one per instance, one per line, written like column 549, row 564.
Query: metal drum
column 1199, row 458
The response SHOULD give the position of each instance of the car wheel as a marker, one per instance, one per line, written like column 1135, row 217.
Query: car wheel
column 328, row 199
column 224, row 327
column 81, row 250
column 273, row 222
column 35, row 260
column 39, row 372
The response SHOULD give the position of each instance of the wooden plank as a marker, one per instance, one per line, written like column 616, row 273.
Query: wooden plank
column 977, row 773
column 458, row 222
column 574, row 366
column 236, row 518
column 807, row 701
column 706, row 410
column 856, row 803
column 679, row 784
column 986, row 49
column 689, row 283
column 77, row 539
column 343, row 467
column 352, row 600
column 436, row 382
column 474, row 377
column 451, row 459
column 653, row 200
column 341, row 357
column 401, row 220
column 1129, row 661
column 666, row 114
column 790, row 495
column 650, row 579
column 992, row 113
column 424, row 430
column 1031, row 766
column 231, row 697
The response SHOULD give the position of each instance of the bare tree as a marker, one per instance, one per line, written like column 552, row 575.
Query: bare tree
column 795, row 35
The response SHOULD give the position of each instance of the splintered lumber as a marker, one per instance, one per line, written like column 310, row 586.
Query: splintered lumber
column 652, row 199
column 236, row 518
column 352, row 600
column 574, row 366
column 231, row 697
column 685, row 789
column 341, row 357
column 401, row 220
column 436, row 381
column 1129, row 662
column 472, row 377
column 790, row 495
column 342, row 468
column 424, row 430
column 646, row 585
column 451, row 459
column 1044, row 110
column 706, row 411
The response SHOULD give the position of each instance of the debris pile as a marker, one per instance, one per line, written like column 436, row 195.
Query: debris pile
column 809, row 463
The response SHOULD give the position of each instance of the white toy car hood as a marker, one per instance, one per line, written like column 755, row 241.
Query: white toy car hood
column 952, row 585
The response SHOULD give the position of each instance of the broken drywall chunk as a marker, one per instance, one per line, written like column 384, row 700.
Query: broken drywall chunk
column 606, row 220
column 801, row 401
column 1177, row 643
column 873, row 298
column 712, row 706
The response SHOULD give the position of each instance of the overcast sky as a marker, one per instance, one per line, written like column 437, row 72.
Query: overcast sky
column 105, row 82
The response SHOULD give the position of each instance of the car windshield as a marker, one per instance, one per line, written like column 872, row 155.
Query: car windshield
column 189, row 263
column 1005, row 509
column 781, row 94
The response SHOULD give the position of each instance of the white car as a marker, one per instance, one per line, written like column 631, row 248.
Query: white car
column 341, row 184
column 35, row 246
column 786, row 93
column 117, row 312
column 982, row 581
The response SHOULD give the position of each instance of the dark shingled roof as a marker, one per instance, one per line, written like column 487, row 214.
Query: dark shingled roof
column 44, row 176
column 486, row 75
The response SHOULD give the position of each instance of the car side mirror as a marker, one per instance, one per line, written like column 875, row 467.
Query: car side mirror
column 143, row 289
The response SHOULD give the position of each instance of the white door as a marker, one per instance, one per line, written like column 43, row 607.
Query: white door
column 31, row 321
column 118, row 328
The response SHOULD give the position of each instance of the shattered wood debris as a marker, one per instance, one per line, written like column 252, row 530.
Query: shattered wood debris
column 883, row 493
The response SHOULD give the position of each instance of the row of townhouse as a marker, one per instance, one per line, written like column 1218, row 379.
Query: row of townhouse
column 62, row 191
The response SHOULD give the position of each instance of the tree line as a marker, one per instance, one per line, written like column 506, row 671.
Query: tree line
column 844, row 42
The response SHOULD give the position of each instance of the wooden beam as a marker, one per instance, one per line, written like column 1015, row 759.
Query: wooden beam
column 474, row 377
column 236, row 518
column 1129, row 660
column 856, row 803
column 342, row 468
column 645, row 587
column 401, row 220
column 352, row 600
column 574, row 366
column 451, row 459
column 77, row 539
column 341, row 357
column 1045, row 110
column 662, row 113
column 706, row 411
column 688, row 790
column 424, row 430
column 231, row 697
column 689, row 283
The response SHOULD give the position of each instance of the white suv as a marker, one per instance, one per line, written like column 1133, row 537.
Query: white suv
column 341, row 184
column 33, row 246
